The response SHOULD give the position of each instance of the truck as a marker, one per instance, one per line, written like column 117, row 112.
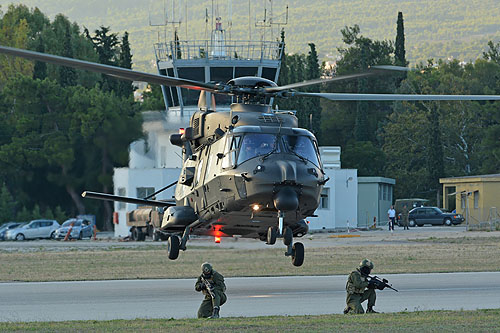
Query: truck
column 145, row 221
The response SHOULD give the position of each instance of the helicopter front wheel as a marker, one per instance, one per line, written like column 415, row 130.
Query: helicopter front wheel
column 173, row 247
column 272, row 233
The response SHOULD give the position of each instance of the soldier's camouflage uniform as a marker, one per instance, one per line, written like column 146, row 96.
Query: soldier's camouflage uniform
column 356, row 293
column 404, row 216
column 209, row 303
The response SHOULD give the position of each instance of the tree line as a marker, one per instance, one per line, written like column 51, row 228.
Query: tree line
column 414, row 142
column 62, row 130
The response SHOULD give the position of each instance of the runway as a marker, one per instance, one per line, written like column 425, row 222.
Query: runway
column 262, row 296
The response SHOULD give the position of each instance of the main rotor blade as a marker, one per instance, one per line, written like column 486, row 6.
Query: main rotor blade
column 373, row 70
column 111, row 197
column 317, row 81
column 119, row 72
column 395, row 97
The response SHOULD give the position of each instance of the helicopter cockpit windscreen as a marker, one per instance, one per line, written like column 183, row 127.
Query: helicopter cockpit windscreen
column 257, row 144
column 302, row 146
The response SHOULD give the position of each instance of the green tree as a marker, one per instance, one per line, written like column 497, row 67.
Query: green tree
column 353, row 124
column 106, row 45
column 125, row 87
column 399, row 45
column 152, row 98
column 313, row 105
column 7, row 205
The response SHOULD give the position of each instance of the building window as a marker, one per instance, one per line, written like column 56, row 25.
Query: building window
column 143, row 192
column 324, row 200
column 122, row 192
column 385, row 191
column 463, row 204
column 476, row 199
column 389, row 194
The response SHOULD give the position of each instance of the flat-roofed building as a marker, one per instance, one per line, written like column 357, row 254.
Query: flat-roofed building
column 476, row 197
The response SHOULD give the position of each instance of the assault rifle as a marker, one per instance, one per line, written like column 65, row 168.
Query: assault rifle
column 379, row 284
column 208, row 286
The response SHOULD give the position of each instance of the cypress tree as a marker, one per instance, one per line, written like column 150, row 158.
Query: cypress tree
column 68, row 75
column 400, row 53
column 313, row 104
column 125, row 87
column 40, row 69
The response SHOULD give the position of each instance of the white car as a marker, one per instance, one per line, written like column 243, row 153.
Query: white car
column 34, row 229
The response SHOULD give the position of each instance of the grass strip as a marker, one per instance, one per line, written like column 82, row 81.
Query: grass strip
column 411, row 257
column 425, row 321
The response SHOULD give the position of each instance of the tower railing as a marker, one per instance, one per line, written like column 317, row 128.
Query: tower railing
column 210, row 50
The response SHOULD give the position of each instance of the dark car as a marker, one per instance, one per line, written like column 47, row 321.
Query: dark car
column 433, row 215
column 7, row 226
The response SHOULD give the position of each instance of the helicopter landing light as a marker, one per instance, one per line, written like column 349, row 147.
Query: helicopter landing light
column 259, row 168
column 255, row 207
column 217, row 239
column 182, row 130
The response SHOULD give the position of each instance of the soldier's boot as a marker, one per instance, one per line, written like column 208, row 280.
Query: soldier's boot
column 370, row 310
column 346, row 310
column 215, row 314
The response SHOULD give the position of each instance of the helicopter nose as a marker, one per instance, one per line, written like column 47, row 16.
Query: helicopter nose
column 286, row 200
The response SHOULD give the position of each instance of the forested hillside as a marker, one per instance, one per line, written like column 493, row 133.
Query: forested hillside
column 434, row 28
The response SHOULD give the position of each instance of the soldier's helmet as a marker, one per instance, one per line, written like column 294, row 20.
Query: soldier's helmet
column 206, row 269
column 366, row 263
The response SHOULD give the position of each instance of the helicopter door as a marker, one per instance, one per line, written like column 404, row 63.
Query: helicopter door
column 210, row 181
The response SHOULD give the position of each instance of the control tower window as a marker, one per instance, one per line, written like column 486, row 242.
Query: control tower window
column 221, row 74
column 245, row 71
column 269, row 73
column 190, row 97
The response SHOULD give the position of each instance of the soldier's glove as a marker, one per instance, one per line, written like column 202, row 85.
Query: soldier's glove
column 198, row 288
column 371, row 284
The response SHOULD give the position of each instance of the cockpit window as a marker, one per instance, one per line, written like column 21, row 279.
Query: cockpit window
column 257, row 144
column 302, row 146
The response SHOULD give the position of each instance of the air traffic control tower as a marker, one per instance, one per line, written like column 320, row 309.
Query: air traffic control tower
column 218, row 59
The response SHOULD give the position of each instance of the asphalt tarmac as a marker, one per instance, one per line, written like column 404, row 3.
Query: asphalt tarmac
column 263, row 296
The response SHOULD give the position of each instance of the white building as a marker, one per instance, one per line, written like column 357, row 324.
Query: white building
column 339, row 199
column 155, row 163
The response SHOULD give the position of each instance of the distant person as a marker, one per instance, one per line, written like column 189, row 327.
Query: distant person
column 404, row 216
column 211, row 283
column 359, row 289
column 392, row 217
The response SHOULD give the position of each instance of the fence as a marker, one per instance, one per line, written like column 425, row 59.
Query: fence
column 482, row 219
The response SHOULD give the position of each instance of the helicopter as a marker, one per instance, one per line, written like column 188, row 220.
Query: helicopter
column 250, row 171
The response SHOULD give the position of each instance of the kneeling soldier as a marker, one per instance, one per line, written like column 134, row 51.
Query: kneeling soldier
column 359, row 289
column 211, row 283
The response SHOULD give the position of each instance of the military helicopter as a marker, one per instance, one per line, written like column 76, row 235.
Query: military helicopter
column 249, row 171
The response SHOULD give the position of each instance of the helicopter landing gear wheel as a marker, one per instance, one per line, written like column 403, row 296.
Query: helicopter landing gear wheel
column 272, row 233
column 298, row 254
column 288, row 236
column 173, row 247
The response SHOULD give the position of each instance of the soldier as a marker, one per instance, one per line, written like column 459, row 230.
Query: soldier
column 404, row 216
column 211, row 283
column 359, row 289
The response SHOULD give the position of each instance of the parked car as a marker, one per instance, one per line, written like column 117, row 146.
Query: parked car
column 7, row 226
column 410, row 203
column 433, row 215
column 81, row 228
column 34, row 229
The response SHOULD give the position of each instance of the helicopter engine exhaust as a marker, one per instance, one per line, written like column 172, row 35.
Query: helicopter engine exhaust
column 286, row 200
